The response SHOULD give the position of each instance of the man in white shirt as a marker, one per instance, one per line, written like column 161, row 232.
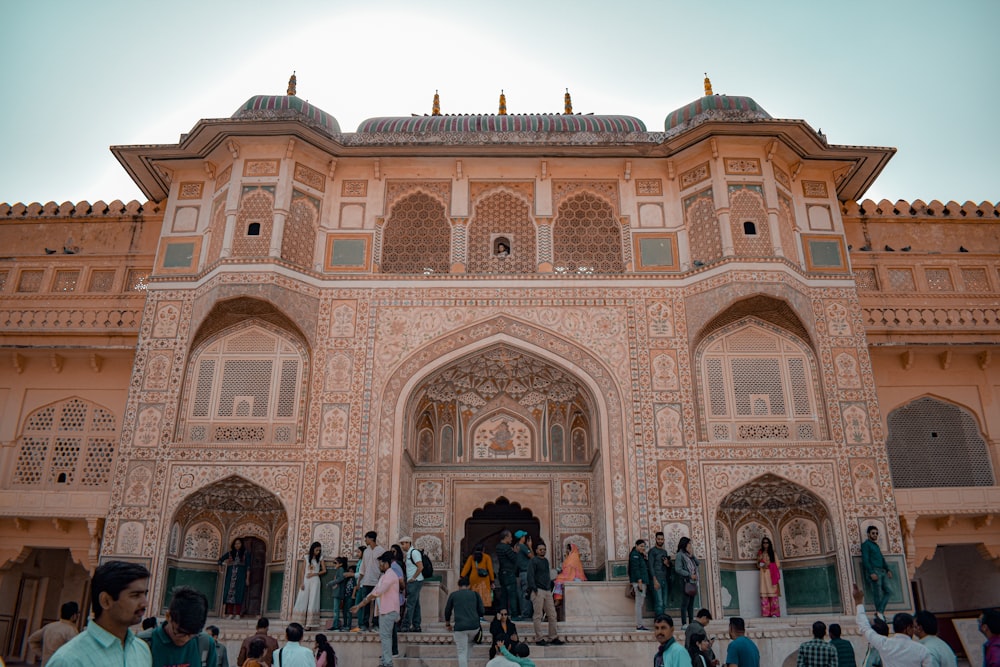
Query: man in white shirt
column 414, row 580
column 367, row 576
column 926, row 630
column 293, row 654
column 898, row 650
column 48, row 639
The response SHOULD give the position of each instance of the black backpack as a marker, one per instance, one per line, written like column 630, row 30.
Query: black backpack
column 428, row 569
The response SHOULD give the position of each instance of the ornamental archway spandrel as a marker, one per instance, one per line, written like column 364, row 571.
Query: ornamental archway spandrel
column 476, row 334
column 184, row 480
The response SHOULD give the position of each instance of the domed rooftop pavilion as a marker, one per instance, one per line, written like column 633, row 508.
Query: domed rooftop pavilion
column 714, row 107
column 262, row 107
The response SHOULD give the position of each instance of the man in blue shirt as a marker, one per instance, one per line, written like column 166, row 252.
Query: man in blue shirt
column 670, row 653
column 118, row 598
column 741, row 652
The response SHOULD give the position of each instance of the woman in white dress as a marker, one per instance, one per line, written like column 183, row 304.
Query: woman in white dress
column 306, row 609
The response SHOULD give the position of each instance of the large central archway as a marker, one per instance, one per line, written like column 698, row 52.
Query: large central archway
column 504, row 418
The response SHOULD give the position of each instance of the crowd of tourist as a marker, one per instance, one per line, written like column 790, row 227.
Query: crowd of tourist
column 383, row 590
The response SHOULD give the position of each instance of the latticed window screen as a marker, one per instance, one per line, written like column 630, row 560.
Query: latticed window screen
column 933, row 443
column 586, row 236
column 245, row 387
column 69, row 444
column 417, row 236
column 758, row 387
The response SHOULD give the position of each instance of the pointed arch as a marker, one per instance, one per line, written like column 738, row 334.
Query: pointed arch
column 758, row 381
column 792, row 516
column 245, row 384
column 586, row 235
column 417, row 235
column 613, row 480
column 933, row 442
column 67, row 444
column 507, row 213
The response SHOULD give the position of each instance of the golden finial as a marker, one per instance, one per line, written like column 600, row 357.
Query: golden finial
column 436, row 108
column 291, row 83
column 567, row 104
column 503, row 103
column 708, row 85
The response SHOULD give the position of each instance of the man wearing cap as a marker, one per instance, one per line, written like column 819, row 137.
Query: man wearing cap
column 414, row 580
column 523, row 549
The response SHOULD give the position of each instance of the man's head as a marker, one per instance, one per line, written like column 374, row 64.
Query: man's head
column 69, row 611
column 872, row 532
column 880, row 627
column 925, row 623
column 255, row 649
column 703, row 616
column 385, row 561
column 506, row 537
column 835, row 631
column 370, row 538
column 263, row 623
column 521, row 650
column 663, row 628
column 119, row 589
column 541, row 549
column 659, row 539
column 989, row 623
column 294, row 632
column 213, row 630
column 520, row 535
column 902, row 623
column 737, row 627
column 405, row 541
column 463, row 582
column 819, row 630
column 186, row 614
column 148, row 622
column 640, row 546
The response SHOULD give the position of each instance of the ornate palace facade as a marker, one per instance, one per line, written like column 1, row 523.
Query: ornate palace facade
column 438, row 324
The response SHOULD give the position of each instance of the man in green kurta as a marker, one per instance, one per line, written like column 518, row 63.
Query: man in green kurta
column 876, row 571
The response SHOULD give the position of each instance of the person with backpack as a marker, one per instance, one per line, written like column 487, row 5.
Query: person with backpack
column 414, row 575
column 180, row 639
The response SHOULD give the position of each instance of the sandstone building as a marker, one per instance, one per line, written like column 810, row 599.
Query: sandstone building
column 443, row 324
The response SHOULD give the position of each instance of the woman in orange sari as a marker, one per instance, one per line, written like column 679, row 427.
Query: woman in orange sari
column 572, row 570
column 479, row 569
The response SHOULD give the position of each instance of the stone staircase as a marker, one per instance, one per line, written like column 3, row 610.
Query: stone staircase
column 595, row 642
column 599, row 643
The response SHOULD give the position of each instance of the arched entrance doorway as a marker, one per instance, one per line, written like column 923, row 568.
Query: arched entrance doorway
column 205, row 526
column 508, row 423
column 798, row 524
column 35, row 585
column 487, row 523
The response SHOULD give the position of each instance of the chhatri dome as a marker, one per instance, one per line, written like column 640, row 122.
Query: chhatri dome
column 287, row 106
column 714, row 107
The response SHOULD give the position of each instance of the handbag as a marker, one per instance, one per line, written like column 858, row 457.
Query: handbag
column 482, row 572
column 629, row 591
column 690, row 589
column 479, row 636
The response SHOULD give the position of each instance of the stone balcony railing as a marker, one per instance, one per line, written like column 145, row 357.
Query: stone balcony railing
column 979, row 501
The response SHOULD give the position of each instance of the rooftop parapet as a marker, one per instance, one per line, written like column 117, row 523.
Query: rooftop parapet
column 82, row 209
column 918, row 209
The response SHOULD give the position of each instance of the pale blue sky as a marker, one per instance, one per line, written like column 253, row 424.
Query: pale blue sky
column 78, row 77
